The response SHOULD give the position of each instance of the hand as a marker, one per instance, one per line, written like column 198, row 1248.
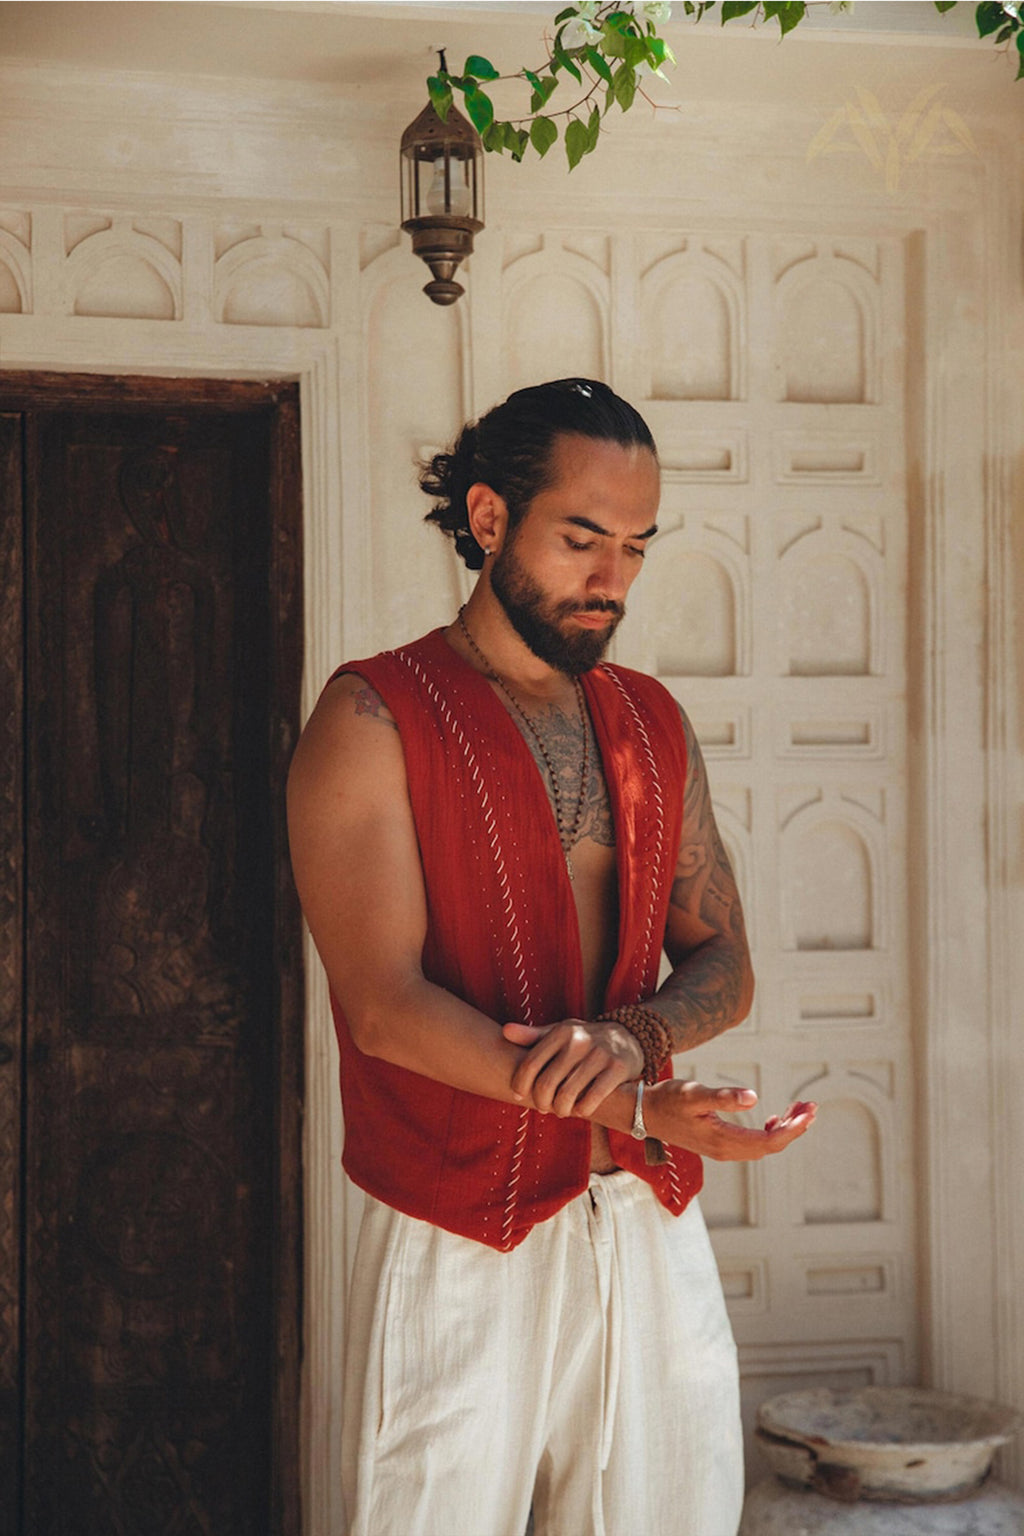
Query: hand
column 572, row 1067
column 688, row 1115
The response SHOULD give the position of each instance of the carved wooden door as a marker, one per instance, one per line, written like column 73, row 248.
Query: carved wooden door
column 145, row 1029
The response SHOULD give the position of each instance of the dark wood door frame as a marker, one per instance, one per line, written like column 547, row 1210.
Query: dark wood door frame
column 34, row 391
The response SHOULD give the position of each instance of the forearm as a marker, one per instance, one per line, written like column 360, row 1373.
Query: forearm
column 426, row 1029
column 707, row 992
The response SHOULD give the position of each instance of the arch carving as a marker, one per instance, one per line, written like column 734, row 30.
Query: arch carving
column 119, row 273
column 698, row 614
column 832, row 898
column 555, row 307
column 16, row 261
column 694, row 323
column 852, row 1179
column 827, row 318
column 271, row 280
column 832, row 607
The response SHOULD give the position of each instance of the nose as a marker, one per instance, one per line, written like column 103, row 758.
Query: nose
column 611, row 576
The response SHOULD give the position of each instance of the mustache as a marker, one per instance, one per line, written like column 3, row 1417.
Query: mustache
column 593, row 605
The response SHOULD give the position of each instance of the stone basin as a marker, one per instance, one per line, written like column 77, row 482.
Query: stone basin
column 905, row 1444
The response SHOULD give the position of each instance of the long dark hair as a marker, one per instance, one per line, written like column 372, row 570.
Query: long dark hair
column 509, row 449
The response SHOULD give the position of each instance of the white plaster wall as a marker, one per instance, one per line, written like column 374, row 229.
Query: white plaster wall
column 244, row 227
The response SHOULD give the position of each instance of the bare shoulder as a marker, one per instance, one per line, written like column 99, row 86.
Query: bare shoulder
column 351, row 740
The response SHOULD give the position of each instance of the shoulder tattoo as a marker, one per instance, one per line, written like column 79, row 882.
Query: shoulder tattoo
column 369, row 702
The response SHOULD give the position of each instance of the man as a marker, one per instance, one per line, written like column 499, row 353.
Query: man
column 494, row 836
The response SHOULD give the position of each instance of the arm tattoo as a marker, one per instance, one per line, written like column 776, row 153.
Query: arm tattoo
column 369, row 702
column 704, row 994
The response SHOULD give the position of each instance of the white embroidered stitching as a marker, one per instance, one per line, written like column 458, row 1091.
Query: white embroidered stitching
column 673, row 1172
column 526, row 1009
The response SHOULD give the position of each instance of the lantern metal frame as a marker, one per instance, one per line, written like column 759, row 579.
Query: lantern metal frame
column 442, row 237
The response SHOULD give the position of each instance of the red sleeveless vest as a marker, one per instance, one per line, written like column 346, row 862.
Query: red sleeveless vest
column 503, row 935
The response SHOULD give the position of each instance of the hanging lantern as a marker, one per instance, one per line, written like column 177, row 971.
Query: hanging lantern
column 442, row 195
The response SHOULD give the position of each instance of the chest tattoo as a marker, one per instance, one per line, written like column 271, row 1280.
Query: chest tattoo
column 563, row 737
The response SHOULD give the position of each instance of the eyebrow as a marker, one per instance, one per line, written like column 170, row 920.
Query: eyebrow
column 605, row 533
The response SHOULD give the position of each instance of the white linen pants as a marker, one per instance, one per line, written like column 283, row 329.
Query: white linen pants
column 592, row 1371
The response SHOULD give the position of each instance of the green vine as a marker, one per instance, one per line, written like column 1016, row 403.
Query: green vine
column 602, row 52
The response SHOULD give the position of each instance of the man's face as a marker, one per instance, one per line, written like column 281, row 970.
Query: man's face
column 564, row 571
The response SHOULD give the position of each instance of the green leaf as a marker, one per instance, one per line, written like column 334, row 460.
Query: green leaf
column 944, row 5
column 440, row 95
column 480, row 108
column 598, row 64
column 543, row 134
column 636, row 49
column 789, row 13
column 989, row 17
column 517, row 140
column 569, row 11
column 593, row 130
column 482, row 69
column 612, row 42
column 545, row 87
column 733, row 8
column 1005, row 35
column 563, row 61
column 533, row 79
column 622, row 21
column 493, row 138
column 1020, row 49
column 575, row 142
column 624, row 85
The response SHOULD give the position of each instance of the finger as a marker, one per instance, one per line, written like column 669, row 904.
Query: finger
column 732, row 1101
column 740, row 1143
column 582, row 1081
column 545, row 1050
column 525, row 1034
column 604, row 1083
column 558, row 1084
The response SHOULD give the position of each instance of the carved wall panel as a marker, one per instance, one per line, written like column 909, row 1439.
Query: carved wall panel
column 120, row 272
column 271, row 277
column 843, row 1181
column 693, row 307
column 15, row 269
column 829, row 880
column 830, row 614
column 697, row 600
column 555, row 317
column 772, row 607
column 827, row 331
column 416, row 399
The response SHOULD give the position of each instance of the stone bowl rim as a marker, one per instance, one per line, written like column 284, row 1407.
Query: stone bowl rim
column 1009, row 1420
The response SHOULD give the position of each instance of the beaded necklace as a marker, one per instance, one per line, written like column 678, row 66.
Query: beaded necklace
column 566, row 836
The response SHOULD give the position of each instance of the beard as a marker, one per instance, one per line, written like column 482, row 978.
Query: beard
column 538, row 622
